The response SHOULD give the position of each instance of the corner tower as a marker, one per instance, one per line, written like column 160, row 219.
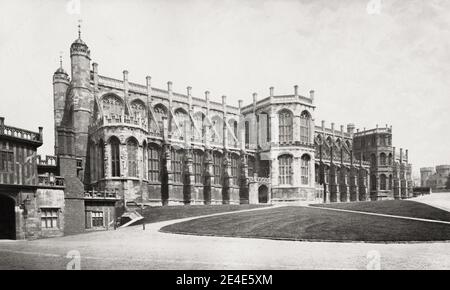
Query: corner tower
column 60, row 85
column 81, row 96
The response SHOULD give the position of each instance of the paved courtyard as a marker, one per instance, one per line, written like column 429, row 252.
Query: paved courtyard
column 133, row 248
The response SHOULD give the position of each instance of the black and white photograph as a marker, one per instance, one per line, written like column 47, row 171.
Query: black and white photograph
column 251, row 135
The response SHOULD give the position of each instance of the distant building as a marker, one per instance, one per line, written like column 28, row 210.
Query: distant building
column 436, row 179
column 390, row 173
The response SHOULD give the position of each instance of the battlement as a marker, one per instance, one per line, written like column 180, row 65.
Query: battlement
column 20, row 134
column 378, row 130
column 164, row 94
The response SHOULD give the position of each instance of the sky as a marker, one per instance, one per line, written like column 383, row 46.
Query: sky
column 369, row 61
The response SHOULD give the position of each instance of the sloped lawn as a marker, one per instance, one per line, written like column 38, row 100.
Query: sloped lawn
column 313, row 224
column 164, row 213
column 405, row 208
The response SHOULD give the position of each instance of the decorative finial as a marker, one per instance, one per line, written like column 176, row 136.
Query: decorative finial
column 79, row 28
column 60, row 59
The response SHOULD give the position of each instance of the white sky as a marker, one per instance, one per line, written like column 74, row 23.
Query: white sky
column 390, row 66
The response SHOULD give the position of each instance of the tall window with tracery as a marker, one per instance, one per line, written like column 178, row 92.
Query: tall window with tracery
column 115, row 157
column 101, row 160
column 234, row 159
column 177, row 165
column 383, row 180
column 285, row 170
column 132, row 149
column 382, row 159
column 154, row 163
column 305, row 124
column 217, row 167
column 285, row 126
column 305, row 169
column 198, row 166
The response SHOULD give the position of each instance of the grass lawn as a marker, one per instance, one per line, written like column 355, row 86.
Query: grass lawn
column 302, row 223
column 164, row 213
column 405, row 208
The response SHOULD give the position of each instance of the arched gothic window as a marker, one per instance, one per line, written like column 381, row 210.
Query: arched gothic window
column 198, row 166
column 217, row 167
column 234, row 159
column 132, row 148
column 115, row 157
column 382, row 159
column 177, row 165
column 285, row 170
column 383, row 182
column 305, row 127
column 305, row 169
column 154, row 163
column 101, row 160
column 285, row 126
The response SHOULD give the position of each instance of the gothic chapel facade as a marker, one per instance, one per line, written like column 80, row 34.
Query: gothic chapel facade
column 137, row 143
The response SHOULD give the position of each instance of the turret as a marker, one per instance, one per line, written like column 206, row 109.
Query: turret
column 60, row 85
column 81, row 95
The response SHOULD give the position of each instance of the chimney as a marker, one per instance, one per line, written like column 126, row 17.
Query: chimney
column 296, row 90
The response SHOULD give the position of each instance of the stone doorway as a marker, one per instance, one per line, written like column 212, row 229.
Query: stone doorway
column 7, row 217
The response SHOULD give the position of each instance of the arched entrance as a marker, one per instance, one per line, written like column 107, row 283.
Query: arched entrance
column 263, row 194
column 7, row 217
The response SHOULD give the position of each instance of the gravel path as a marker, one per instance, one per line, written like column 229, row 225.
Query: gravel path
column 439, row 199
